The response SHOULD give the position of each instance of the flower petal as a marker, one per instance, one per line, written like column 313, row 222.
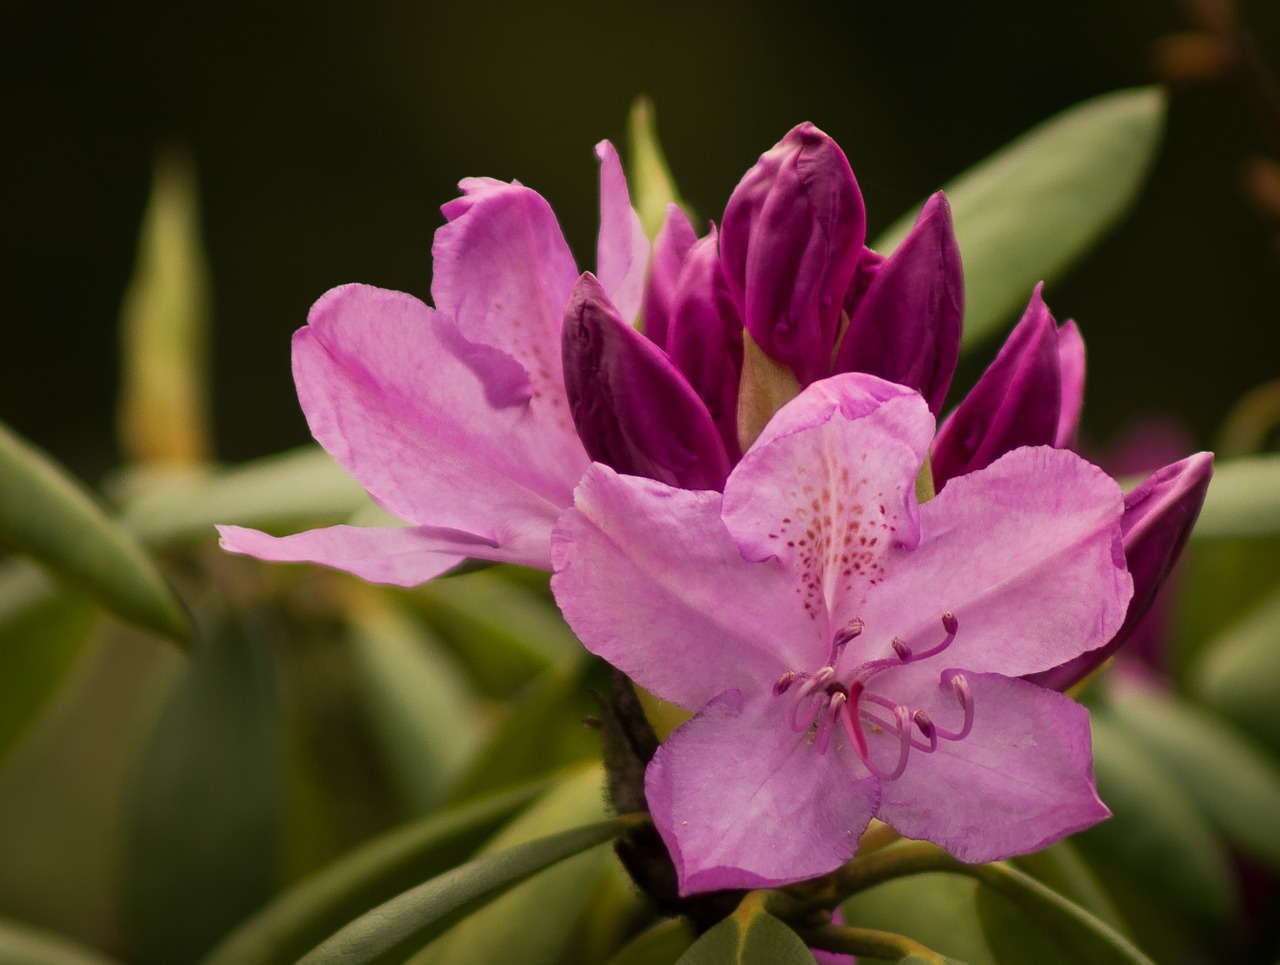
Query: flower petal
column 1158, row 518
column 829, row 487
column 622, row 250
column 438, row 429
column 1026, row 554
column 1015, row 403
column 704, row 339
column 906, row 326
column 1022, row 778
column 743, row 801
column 670, row 247
column 399, row 556
column 633, row 408
column 1071, row 367
column 503, row 272
column 649, row 580
column 790, row 239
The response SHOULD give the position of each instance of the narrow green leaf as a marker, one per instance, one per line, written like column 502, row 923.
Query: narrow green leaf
column 1243, row 500
column 300, row 919
column 660, row 945
column 652, row 186
column 750, row 936
column 1233, row 782
column 1156, row 834
column 506, row 632
column 1061, row 868
column 278, row 493
column 43, row 630
column 414, row 918
column 543, row 731
column 23, row 945
column 937, row 910
column 421, row 707
column 537, row 916
column 203, row 834
column 46, row 515
column 1239, row 674
column 1012, row 936
column 1029, row 211
column 164, row 324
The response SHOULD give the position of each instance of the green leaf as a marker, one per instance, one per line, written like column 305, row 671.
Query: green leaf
column 652, row 186
column 1233, row 782
column 543, row 731
column 1243, row 499
column 1012, row 936
column 420, row 705
column 46, row 515
column 659, row 945
column 164, row 325
column 23, row 945
column 1029, row 211
column 750, row 936
column 538, row 916
column 1156, row 835
column 1060, row 868
column 284, row 930
column 937, row 910
column 43, row 630
column 1239, row 675
column 505, row 632
column 410, row 920
column 278, row 493
column 204, row 830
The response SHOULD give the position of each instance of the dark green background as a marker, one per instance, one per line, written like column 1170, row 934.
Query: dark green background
column 327, row 134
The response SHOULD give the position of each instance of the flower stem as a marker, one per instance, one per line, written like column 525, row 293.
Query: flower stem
column 868, row 942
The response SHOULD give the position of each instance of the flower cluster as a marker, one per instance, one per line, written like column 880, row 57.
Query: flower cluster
column 724, row 448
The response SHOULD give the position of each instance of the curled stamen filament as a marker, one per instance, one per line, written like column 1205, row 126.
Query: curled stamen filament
column 959, row 687
column 901, row 725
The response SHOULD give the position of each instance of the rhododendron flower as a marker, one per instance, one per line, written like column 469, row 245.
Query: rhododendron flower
column 455, row 418
column 849, row 652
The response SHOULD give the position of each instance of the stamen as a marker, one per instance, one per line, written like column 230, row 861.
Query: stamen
column 819, row 679
column 849, row 719
column 949, row 624
column 901, row 649
column 815, row 706
column 930, row 732
column 825, row 725
column 784, row 683
column 852, row 630
column 959, row 687
column 903, row 727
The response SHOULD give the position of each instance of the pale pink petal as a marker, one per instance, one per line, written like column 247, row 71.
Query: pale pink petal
column 1022, row 779
column 503, row 272
column 399, row 556
column 1027, row 555
column 649, row 580
column 744, row 801
column 622, row 251
column 830, row 487
column 1071, row 366
column 438, row 429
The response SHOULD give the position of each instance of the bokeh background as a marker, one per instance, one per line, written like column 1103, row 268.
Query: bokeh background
column 327, row 134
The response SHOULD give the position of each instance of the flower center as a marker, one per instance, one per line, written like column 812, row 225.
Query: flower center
column 822, row 702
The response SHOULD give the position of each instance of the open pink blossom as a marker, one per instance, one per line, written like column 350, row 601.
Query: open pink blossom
column 849, row 652
column 455, row 418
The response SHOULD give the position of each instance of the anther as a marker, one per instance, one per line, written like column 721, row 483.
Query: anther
column 784, row 683
column 963, row 694
column 852, row 630
column 950, row 624
column 901, row 649
column 820, row 679
column 930, row 732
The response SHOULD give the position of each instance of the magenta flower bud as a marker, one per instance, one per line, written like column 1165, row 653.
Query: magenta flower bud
column 1018, row 401
column 1158, row 518
column 904, row 320
column 704, row 339
column 670, row 249
column 633, row 409
column 790, row 241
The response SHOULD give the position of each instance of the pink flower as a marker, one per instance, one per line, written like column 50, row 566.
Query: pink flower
column 849, row 652
column 455, row 418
